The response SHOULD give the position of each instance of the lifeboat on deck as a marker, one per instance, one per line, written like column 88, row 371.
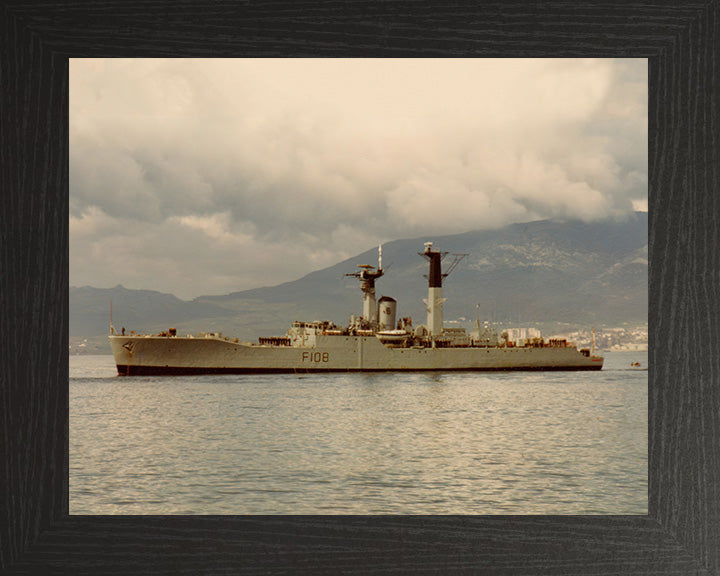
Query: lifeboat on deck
column 396, row 338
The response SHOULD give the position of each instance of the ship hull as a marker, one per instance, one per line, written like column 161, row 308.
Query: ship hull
column 159, row 355
column 134, row 370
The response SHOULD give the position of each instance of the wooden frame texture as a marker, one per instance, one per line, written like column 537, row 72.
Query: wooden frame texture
column 681, row 533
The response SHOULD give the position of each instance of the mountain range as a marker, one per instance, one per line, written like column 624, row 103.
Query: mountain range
column 549, row 273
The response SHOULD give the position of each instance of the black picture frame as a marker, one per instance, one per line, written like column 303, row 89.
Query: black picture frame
column 681, row 533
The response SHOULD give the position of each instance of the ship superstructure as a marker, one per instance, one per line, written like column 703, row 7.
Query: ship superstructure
column 376, row 340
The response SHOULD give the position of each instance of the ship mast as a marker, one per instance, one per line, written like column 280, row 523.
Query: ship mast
column 368, row 275
column 434, row 301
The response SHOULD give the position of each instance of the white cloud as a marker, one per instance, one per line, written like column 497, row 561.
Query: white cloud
column 309, row 161
column 640, row 204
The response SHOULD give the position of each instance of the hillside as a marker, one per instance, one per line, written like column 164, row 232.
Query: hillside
column 548, row 272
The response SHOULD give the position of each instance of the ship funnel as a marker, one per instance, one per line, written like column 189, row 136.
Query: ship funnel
column 386, row 313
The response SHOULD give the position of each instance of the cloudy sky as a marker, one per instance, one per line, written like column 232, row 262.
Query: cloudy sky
column 210, row 176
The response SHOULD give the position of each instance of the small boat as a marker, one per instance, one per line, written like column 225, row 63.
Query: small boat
column 393, row 337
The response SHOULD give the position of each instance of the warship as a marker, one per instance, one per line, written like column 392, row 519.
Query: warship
column 373, row 341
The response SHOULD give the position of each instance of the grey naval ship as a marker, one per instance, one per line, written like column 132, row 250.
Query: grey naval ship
column 374, row 341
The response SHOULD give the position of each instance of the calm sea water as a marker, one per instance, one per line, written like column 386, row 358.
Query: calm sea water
column 413, row 443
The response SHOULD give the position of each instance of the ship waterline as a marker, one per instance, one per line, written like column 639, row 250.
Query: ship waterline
column 372, row 342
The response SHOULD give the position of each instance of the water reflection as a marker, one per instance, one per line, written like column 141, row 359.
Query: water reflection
column 380, row 443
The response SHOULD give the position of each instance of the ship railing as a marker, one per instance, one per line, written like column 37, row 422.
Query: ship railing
column 274, row 341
